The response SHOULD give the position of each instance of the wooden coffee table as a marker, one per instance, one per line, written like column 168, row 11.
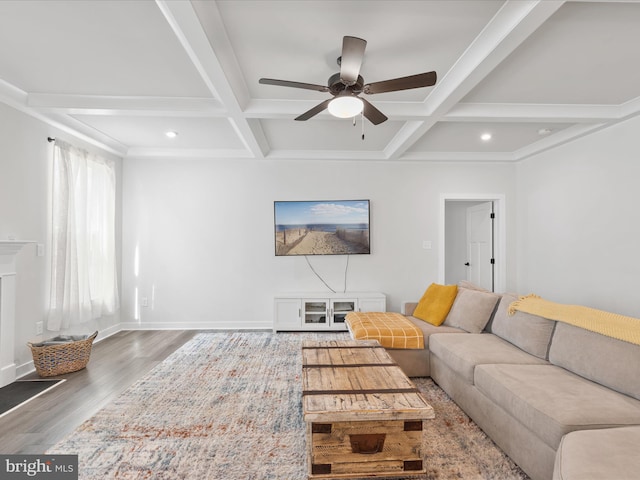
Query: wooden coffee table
column 364, row 417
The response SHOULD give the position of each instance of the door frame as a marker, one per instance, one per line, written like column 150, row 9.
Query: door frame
column 499, row 234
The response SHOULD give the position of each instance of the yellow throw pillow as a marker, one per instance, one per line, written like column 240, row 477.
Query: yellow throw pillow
column 435, row 304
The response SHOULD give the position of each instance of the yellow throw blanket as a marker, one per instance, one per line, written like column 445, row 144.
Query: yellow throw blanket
column 608, row 324
column 392, row 330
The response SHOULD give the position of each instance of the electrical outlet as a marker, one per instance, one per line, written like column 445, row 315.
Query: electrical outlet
column 39, row 328
column 145, row 302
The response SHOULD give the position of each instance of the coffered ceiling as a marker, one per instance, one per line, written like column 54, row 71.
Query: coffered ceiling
column 533, row 74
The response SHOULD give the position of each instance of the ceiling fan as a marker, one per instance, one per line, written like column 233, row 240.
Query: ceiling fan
column 348, row 84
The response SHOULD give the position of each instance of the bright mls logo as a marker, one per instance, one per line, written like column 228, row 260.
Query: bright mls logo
column 51, row 467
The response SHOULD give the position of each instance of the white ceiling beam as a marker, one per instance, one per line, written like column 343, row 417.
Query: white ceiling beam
column 502, row 112
column 461, row 112
column 126, row 105
column 512, row 25
column 18, row 99
column 474, row 157
column 409, row 134
column 183, row 153
column 630, row 108
column 303, row 155
column 200, row 34
column 276, row 109
column 557, row 139
column 289, row 109
column 82, row 129
column 12, row 95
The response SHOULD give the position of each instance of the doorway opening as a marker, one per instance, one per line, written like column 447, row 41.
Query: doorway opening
column 472, row 240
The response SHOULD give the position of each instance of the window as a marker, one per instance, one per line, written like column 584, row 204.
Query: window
column 83, row 254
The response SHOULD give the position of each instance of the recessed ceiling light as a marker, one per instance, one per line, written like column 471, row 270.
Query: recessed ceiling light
column 544, row 131
column 485, row 137
column 171, row 134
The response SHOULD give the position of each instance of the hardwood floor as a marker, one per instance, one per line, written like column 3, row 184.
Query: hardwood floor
column 115, row 364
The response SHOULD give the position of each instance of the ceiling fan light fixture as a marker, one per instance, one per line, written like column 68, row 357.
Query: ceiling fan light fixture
column 345, row 106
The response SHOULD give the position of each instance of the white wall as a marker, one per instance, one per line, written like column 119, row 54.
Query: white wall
column 578, row 221
column 198, row 234
column 25, row 179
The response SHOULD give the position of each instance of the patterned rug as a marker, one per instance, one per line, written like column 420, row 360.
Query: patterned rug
column 228, row 406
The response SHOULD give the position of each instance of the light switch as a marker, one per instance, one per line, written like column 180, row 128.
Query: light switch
column 40, row 249
column 426, row 244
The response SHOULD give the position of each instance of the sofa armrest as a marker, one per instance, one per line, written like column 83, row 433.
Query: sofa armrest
column 409, row 307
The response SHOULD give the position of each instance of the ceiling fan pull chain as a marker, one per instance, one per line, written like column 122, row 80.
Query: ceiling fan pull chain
column 362, row 120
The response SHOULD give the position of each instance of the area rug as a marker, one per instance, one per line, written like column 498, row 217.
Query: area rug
column 228, row 406
column 19, row 393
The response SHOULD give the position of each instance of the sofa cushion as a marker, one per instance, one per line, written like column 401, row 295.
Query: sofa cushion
column 428, row 329
column 609, row 453
column 608, row 361
column 435, row 303
column 550, row 401
column 471, row 309
column 529, row 332
column 416, row 363
column 462, row 353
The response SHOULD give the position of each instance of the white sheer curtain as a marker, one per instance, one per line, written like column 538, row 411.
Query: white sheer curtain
column 83, row 254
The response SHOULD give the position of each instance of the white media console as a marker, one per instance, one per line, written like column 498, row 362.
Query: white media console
column 321, row 310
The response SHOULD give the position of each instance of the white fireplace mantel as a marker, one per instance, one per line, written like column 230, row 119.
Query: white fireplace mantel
column 8, row 251
column 12, row 247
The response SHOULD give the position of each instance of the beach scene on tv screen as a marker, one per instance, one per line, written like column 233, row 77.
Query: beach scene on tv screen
column 322, row 228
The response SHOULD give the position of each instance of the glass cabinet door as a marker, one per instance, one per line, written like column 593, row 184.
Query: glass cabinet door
column 340, row 308
column 315, row 313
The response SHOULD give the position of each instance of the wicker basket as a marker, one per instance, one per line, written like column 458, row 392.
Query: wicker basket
column 60, row 355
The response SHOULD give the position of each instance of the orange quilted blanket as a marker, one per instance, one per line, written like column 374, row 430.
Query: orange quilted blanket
column 392, row 330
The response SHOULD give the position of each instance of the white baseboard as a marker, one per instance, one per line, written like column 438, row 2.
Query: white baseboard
column 7, row 374
column 106, row 333
column 25, row 369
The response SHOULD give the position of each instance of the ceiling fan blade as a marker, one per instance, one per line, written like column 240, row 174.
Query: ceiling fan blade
column 314, row 111
column 351, row 59
column 374, row 115
column 287, row 83
column 403, row 83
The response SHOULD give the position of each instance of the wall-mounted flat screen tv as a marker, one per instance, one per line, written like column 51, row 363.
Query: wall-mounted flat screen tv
column 332, row 227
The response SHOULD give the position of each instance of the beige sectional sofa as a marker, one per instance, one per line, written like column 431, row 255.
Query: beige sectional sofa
column 562, row 402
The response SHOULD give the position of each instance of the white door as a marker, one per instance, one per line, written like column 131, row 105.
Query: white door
column 480, row 245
